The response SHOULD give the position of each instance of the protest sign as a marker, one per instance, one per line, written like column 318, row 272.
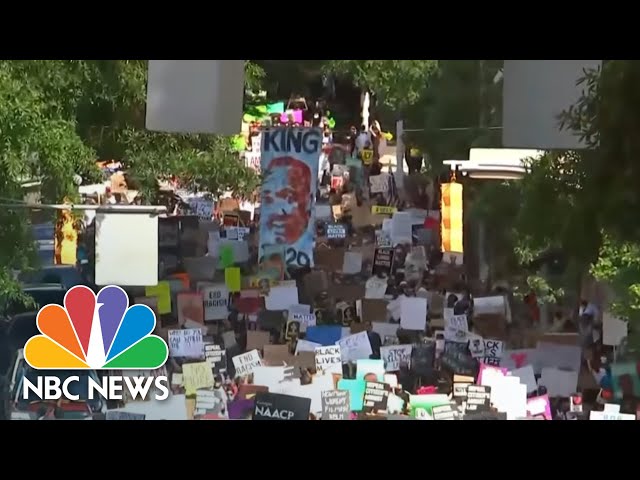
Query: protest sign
column 162, row 291
column 290, row 164
column 216, row 302
column 292, row 329
column 383, row 261
column 376, row 288
column 233, row 279
column 281, row 298
column 527, row 377
column 304, row 320
column 257, row 339
column 379, row 183
column 272, row 320
column 563, row 357
column 492, row 352
column 216, row 356
column 476, row 345
column 245, row 363
column 196, row 376
column 276, row 406
column 306, row 346
column 413, row 313
column 422, row 405
column 208, row 402
column 119, row 415
column 201, row 207
column 383, row 239
column 186, row 343
column 485, row 416
column 559, row 383
column 456, row 327
column 383, row 210
column 190, row 309
column 457, row 358
column 352, row 263
column 370, row 370
column 478, row 398
column 443, row 412
column 329, row 359
column 336, row 231
column 395, row 355
column 460, row 390
column 355, row 347
column 422, row 358
column 539, row 407
column 610, row 412
column 335, row 405
column 376, row 396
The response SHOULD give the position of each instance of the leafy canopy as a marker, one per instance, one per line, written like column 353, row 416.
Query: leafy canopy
column 57, row 117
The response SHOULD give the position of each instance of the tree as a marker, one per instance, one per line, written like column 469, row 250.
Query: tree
column 607, row 120
column 397, row 84
column 58, row 117
column 39, row 142
column 583, row 202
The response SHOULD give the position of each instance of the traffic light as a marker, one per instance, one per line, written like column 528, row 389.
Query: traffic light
column 451, row 214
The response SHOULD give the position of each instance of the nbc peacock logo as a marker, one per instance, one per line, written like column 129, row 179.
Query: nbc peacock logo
column 95, row 332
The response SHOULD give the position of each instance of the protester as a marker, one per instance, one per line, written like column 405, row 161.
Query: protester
column 319, row 297
column 363, row 140
column 414, row 158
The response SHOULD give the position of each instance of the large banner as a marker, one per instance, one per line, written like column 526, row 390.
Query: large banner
column 289, row 161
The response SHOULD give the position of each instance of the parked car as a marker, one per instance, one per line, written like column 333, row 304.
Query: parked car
column 18, row 320
column 65, row 275
column 18, row 408
column 44, row 234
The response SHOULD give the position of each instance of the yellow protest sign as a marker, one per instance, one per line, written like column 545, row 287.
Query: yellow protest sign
column 383, row 210
column 367, row 156
column 162, row 291
column 196, row 376
column 233, row 279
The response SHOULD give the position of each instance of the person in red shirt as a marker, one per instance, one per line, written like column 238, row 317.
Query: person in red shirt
column 531, row 300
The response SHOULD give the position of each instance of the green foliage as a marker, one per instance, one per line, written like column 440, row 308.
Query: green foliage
column 201, row 162
column 57, row 117
column 460, row 95
column 397, row 83
column 618, row 265
column 545, row 292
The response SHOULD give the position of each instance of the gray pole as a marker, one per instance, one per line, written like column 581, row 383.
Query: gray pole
column 483, row 265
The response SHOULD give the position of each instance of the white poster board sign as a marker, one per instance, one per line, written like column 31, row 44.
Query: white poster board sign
column 379, row 183
column 395, row 355
column 355, row 347
column 489, row 305
column 614, row 330
column 186, row 343
column 329, row 359
column 246, row 363
column 413, row 313
column 121, row 259
column 216, row 302
column 201, row 207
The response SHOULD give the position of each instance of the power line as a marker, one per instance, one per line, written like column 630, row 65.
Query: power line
column 456, row 129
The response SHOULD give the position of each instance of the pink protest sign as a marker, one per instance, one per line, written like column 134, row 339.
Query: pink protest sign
column 487, row 372
column 539, row 407
column 294, row 115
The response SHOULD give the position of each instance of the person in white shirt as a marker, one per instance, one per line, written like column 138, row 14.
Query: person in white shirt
column 363, row 140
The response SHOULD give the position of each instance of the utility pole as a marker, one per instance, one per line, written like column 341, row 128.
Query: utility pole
column 483, row 265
